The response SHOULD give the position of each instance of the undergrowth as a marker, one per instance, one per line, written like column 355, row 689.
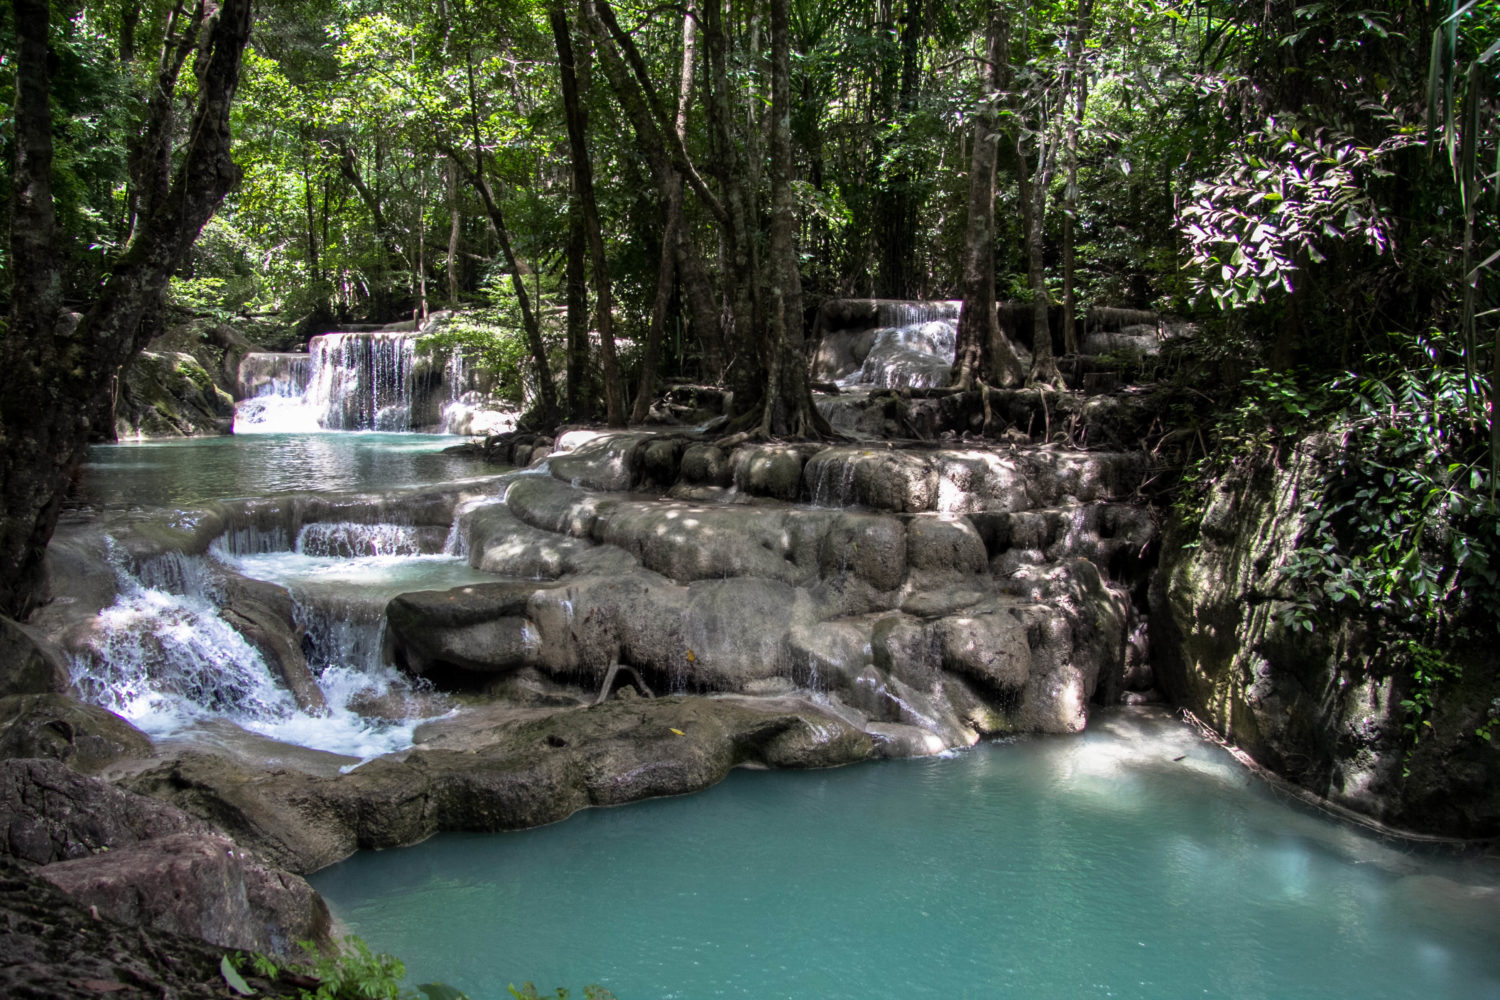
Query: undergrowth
column 1403, row 527
column 356, row 973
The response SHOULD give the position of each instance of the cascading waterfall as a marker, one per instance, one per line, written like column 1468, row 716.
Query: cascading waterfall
column 913, row 347
column 363, row 381
column 346, row 382
column 164, row 657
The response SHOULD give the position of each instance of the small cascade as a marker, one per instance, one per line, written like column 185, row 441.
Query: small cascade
column 278, row 375
column 897, row 313
column 273, row 389
column 163, row 657
column 363, row 381
column 348, row 540
column 885, row 343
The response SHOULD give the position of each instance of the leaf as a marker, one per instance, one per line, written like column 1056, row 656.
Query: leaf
column 233, row 978
column 441, row 991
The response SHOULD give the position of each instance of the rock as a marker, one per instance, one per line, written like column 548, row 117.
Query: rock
column 769, row 470
column 55, row 949
column 882, row 478
column 143, row 861
column 520, row 772
column 29, row 664
column 52, row 813
column 279, row 642
column 989, row 645
column 58, row 727
column 1315, row 706
column 170, row 394
column 200, row 885
column 706, row 465
column 481, row 629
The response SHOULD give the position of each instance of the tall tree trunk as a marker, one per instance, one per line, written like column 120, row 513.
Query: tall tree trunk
column 742, row 340
column 895, row 211
column 983, row 351
column 789, row 409
column 580, row 401
column 455, row 231
column 1079, row 91
column 546, row 390
column 666, row 270
column 583, row 180
column 51, row 373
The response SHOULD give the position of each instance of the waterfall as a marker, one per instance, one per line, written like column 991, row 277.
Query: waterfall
column 888, row 343
column 363, row 381
column 163, row 657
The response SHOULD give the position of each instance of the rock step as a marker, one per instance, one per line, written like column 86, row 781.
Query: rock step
column 903, row 480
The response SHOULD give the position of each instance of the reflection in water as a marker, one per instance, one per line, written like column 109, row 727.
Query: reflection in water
column 200, row 470
column 1045, row 869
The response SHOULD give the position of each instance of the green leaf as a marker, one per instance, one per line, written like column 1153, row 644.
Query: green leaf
column 233, row 978
column 441, row 991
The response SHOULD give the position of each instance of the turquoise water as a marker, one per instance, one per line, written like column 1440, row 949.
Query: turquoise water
column 1045, row 869
column 198, row 470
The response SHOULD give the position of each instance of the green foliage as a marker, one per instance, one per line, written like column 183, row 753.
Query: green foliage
column 1281, row 201
column 356, row 974
column 1403, row 529
column 529, row 992
column 232, row 977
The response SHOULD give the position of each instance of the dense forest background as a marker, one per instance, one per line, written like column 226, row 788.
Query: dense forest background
column 617, row 195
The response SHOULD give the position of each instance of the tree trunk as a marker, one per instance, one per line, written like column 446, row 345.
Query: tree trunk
column 1033, row 201
column 546, row 391
column 742, row 339
column 455, row 230
column 583, row 180
column 580, row 400
column 1080, row 91
column 789, row 409
column 53, row 374
column 666, row 270
column 984, row 352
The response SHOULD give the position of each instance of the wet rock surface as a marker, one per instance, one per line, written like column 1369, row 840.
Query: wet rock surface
column 503, row 768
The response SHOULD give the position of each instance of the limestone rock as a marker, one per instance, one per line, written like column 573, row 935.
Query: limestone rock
column 58, row 727
column 29, row 664
column 170, row 394
column 55, row 814
column 202, row 886
column 519, row 772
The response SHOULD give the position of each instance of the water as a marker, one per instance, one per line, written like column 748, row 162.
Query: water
column 200, row 470
column 1048, row 869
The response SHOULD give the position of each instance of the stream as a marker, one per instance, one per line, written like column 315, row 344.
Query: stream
column 1132, row 860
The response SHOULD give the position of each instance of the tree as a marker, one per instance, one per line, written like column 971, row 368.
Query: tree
column 53, row 370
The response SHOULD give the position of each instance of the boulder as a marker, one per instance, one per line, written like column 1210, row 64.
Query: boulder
column 52, row 813
column 170, row 394
column 58, row 727
column 29, row 664
column 199, row 885
column 522, row 771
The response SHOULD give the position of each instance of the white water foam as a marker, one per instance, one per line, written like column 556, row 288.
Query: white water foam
column 162, row 657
